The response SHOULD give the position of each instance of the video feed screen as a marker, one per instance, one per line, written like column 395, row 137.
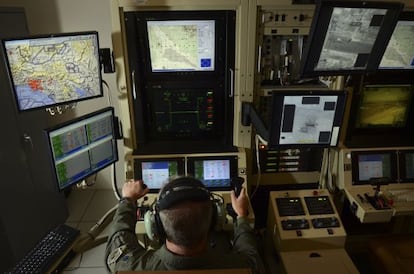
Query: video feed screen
column 368, row 167
column 384, row 106
column 400, row 51
column 181, row 45
column 216, row 173
column 156, row 172
column 55, row 69
column 82, row 147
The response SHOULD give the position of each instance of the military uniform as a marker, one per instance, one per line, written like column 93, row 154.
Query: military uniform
column 123, row 252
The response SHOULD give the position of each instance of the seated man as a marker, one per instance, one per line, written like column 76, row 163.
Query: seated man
column 186, row 212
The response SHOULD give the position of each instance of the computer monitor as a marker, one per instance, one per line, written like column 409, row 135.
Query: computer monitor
column 406, row 166
column 374, row 167
column 381, row 106
column 216, row 172
column 181, row 45
column 306, row 118
column 82, row 147
column 348, row 37
column 184, row 43
column 155, row 172
column 54, row 69
column 399, row 54
column 384, row 106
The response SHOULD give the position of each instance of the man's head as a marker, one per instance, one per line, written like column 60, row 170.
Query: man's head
column 186, row 211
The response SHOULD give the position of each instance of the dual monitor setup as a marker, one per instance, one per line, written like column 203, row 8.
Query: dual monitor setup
column 217, row 173
column 382, row 167
column 59, row 69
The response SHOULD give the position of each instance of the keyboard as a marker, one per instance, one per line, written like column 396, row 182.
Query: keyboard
column 48, row 251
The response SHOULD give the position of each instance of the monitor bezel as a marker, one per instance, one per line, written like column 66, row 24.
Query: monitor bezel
column 275, row 123
column 402, row 170
column 319, row 28
column 46, row 36
column 49, row 131
column 233, row 160
column 355, row 166
column 138, row 168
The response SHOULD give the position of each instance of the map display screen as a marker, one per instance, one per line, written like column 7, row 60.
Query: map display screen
column 82, row 147
column 54, row 70
column 181, row 45
column 400, row 51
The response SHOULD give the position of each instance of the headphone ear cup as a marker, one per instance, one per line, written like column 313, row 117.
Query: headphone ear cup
column 153, row 226
column 150, row 225
column 218, row 216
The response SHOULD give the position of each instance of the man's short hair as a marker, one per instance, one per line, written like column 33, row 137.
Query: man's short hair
column 187, row 223
column 185, row 211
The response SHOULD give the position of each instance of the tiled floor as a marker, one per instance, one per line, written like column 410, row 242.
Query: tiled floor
column 86, row 207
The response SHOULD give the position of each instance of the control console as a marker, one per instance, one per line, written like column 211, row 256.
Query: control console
column 304, row 220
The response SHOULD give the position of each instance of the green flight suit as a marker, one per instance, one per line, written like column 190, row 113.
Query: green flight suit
column 123, row 252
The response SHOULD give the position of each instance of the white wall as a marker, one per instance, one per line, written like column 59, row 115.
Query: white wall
column 55, row 16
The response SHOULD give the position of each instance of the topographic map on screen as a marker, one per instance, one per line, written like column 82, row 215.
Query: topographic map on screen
column 54, row 70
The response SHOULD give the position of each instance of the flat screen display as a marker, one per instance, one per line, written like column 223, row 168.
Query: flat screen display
column 406, row 166
column 82, row 147
column 310, row 118
column 399, row 54
column 54, row 69
column 157, row 171
column 216, row 173
column 374, row 166
column 181, row 45
column 384, row 106
column 348, row 37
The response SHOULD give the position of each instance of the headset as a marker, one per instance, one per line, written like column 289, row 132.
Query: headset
column 179, row 190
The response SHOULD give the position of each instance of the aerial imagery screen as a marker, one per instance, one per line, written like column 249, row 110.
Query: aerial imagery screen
column 400, row 50
column 53, row 70
column 350, row 37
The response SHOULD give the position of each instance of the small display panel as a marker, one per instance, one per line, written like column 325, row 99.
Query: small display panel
column 374, row 167
column 399, row 54
column 348, row 37
column 157, row 171
column 406, row 160
column 307, row 118
column 216, row 173
column 181, row 45
column 82, row 147
column 384, row 106
column 183, row 112
column 55, row 69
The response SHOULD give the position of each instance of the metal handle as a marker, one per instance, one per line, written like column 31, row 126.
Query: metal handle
column 231, row 83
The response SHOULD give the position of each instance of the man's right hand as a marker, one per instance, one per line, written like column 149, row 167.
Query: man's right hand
column 134, row 189
column 240, row 204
